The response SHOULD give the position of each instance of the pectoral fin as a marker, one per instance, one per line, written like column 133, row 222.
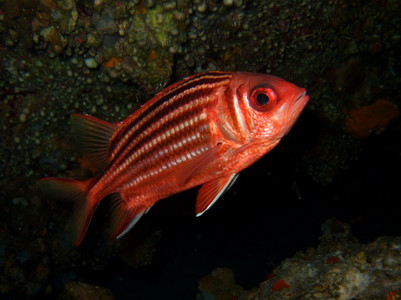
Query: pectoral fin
column 199, row 164
column 210, row 192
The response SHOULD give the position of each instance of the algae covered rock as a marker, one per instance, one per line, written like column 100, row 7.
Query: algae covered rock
column 340, row 268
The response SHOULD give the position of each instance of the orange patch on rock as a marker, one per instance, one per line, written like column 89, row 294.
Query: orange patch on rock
column 333, row 260
column 112, row 62
column 280, row 285
column 152, row 55
column 375, row 117
column 392, row 296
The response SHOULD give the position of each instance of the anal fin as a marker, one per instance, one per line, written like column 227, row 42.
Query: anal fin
column 211, row 191
column 126, row 214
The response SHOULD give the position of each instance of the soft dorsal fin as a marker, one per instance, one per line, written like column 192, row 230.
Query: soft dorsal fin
column 211, row 191
column 93, row 136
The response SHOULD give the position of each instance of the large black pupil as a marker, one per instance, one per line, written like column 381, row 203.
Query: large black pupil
column 262, row 99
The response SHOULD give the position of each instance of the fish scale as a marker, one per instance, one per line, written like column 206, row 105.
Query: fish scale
column 171, row 120
column 174, row 97
column 204, row 129
column 154, row 139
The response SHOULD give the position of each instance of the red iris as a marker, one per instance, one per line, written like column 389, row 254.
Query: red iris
column 263, row 98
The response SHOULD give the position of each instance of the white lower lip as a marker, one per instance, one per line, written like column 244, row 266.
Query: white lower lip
column 299, row 106
column 302, row 95
column 301, row 102
column 295, row 111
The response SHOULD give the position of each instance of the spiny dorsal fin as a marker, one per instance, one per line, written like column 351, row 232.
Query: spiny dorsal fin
column 93, row 136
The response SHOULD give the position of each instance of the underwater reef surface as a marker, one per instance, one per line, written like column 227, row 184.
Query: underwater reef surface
column 340, row 268
column 107, row 57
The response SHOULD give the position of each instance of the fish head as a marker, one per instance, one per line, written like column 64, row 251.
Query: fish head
column 269, row 105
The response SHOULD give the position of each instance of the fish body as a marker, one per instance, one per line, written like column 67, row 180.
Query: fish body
column 204, row 129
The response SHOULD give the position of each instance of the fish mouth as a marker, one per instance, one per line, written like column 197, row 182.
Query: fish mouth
column 302, row 96
column 301, row 101
column 295, row 111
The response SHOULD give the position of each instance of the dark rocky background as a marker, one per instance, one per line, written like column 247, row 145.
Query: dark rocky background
column 105, row 57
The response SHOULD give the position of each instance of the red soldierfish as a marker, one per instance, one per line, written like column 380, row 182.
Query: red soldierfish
column 204, row 129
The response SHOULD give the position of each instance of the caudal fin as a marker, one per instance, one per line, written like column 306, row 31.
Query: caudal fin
column 76, row 191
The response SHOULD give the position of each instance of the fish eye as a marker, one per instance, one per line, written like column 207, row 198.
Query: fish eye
column 263, row 98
